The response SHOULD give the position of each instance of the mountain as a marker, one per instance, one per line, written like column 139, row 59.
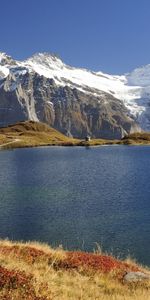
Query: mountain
column 75, row 101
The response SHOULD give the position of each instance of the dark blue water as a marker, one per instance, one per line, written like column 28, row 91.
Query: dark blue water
column 78, row 197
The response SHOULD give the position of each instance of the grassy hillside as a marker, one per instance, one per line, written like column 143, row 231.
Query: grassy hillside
column 30, row 134
column 35, row 271
column 139, row 138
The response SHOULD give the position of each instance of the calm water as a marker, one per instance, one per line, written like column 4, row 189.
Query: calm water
column 78, row 197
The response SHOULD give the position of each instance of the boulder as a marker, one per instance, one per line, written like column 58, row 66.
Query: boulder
column 136, row 276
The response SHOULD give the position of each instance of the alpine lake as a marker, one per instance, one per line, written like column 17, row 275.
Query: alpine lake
column 78, row 197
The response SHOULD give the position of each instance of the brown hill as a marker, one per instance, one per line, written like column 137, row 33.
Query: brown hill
column 30, row 133
column 137, row 138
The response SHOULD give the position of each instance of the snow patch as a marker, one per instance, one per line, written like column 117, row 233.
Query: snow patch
column 4, row 71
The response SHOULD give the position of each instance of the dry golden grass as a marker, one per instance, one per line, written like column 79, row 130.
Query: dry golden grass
column 137, row 138
column 33, row 134
column 34, row 271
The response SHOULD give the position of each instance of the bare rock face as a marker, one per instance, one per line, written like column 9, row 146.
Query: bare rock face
column 26, row 95
column 82, row 114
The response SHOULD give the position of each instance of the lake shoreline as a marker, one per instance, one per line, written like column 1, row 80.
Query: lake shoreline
column 35, row 134
column 19, row 145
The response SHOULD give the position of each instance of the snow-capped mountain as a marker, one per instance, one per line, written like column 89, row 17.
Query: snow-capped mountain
column 75, row 101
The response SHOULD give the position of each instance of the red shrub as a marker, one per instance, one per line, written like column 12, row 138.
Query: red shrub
column 103, row 263
column 28, row 254
column 13, row 279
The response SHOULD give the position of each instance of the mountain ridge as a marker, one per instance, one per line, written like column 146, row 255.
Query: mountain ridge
column 73, row 100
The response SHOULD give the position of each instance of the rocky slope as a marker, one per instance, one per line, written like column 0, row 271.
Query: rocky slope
column 75, row 101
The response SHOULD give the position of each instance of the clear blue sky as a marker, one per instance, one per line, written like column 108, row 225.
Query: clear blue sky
column 108, row 35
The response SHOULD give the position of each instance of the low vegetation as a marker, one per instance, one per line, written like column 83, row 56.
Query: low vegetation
column 32, row 134
column 33, row 271
column 140, row 138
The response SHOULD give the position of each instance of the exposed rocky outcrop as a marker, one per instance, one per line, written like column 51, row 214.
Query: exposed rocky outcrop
column 136, row 277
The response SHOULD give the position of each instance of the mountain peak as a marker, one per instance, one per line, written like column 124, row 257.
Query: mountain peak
column 3, row 55
column 6, row 59
column 41, row 57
